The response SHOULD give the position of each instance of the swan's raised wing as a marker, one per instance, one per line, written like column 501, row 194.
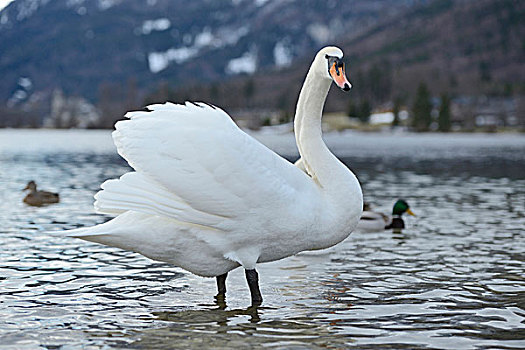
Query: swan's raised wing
column 194, row 164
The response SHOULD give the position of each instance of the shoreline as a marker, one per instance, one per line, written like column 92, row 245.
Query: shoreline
column 342, row 143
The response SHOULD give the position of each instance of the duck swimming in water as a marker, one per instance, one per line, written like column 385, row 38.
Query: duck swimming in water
column 374, row 222
column 39, row 198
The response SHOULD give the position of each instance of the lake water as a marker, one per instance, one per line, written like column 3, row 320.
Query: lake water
column 453, row 279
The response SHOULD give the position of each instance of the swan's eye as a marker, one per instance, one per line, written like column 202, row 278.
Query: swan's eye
column 331, row 62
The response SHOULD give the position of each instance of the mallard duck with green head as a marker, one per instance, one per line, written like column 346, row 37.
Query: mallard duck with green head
column 372, row 221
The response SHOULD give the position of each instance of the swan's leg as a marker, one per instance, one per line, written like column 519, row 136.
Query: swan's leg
column 221, row 284
column 253, row 282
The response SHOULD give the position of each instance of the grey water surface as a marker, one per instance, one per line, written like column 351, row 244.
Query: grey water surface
column 453, row 279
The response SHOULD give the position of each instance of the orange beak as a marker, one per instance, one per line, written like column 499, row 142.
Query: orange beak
column 337, row 71
column 410, row 212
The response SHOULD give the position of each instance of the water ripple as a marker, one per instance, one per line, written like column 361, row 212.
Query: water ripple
column 453, row 279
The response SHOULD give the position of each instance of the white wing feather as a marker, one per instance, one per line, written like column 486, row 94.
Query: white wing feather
column 192, row 163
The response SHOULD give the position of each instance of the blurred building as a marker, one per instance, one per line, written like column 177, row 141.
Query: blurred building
column 71, row 112
column 470, row 112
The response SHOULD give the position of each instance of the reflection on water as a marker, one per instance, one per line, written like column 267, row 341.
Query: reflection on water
column 453, row 279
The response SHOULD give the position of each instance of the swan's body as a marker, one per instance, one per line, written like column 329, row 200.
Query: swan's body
column 207, row 197
column 38, row 198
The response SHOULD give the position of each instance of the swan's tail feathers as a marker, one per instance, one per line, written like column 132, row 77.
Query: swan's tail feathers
column 109, row 233
column 97, row 234
column 137, row 192
column 83, row 232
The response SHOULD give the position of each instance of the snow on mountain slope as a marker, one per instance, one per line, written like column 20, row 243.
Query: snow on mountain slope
column 77, row 45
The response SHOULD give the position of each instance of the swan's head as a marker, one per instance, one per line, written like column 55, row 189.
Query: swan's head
column 330, row 65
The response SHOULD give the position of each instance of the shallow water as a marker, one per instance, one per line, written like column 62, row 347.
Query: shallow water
column 453, row 279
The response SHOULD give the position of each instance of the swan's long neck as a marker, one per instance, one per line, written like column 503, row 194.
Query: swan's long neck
column 319, row 162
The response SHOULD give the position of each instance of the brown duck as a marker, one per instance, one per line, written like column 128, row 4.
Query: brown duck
column 39, row 198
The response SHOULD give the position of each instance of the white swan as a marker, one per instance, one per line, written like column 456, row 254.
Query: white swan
column 207, row 197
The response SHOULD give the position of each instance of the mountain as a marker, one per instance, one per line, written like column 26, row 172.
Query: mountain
column 87, row 47
column 249, row 53
column 458, row 47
